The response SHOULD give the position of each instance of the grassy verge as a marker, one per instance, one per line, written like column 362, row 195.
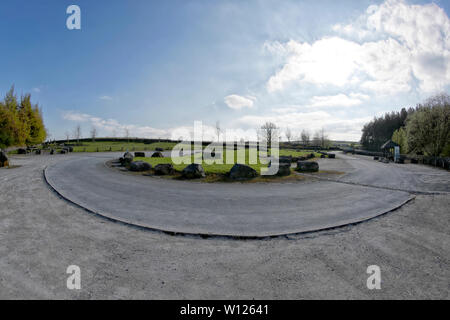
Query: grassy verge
column 219, row 171
column 215, row 168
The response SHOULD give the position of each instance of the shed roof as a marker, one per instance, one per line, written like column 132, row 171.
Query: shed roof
column 389, row 144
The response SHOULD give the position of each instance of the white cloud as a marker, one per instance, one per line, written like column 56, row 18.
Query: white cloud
column 110, row 126
column 339, row 100
column 388, row 50
column 237, row 102
column 37, row 90
column 107, row 98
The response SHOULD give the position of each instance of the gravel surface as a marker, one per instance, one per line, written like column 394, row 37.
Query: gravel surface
column 41, row 235
column 228, row 209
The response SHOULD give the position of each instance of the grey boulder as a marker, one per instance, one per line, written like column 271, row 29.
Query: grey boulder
column 307, row 166
column 284, row 169
column 126, row 159
column 3, row 158
column 139, row 154
column 164, row 169
column 157, row 154
column 139, row 166
column 242, row 172
column 285, row 159
column 193, row 171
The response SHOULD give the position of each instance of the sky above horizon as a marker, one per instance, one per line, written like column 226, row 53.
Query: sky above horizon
column 155, row 67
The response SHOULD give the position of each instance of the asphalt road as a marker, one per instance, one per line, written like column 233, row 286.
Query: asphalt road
column 42, row 234
column 226, row 209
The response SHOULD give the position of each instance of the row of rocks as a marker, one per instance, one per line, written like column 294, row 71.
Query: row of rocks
column 326, row 154
column 156, row 154
column 237, row 172
column 139, row 166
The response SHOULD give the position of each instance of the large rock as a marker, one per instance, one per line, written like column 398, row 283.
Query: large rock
column 139, row 154
column 287, row 160
column 193, row 171
column 3, row 159
column 139, row 166
column 307, row 166
column 284, row 169
column 126, row 159
column 157, row 154
column 164, row 169
column 242, row 172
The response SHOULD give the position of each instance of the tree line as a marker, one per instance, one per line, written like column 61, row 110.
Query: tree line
column 424, row 129
column 21, row 121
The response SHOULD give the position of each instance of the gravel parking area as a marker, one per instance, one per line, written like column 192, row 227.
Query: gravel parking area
column 41, row 235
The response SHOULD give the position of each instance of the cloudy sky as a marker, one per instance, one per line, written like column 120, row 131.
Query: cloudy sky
column 155, row 67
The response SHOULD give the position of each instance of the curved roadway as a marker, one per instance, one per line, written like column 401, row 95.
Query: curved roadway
column 243, row 210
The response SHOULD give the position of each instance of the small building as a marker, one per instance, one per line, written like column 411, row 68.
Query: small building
column 388, row 149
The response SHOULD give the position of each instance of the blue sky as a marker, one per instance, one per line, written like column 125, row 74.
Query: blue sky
column 155, row 67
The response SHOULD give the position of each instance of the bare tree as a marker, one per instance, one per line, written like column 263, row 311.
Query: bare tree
column 218, row 130
column 324, row 141
column 288, row 134
column 77, row 133
column 127, row 134
column 67, row 134
column 93, row 133
column 316, row 139
column 269, row 130
column 305, row 137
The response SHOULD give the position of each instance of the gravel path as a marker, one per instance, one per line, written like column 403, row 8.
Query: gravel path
column 227, row 209
column 42, row 234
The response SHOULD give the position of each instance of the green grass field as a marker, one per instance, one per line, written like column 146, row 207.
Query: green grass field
column 209, row 168
column 105, row 146
column 217, row 168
